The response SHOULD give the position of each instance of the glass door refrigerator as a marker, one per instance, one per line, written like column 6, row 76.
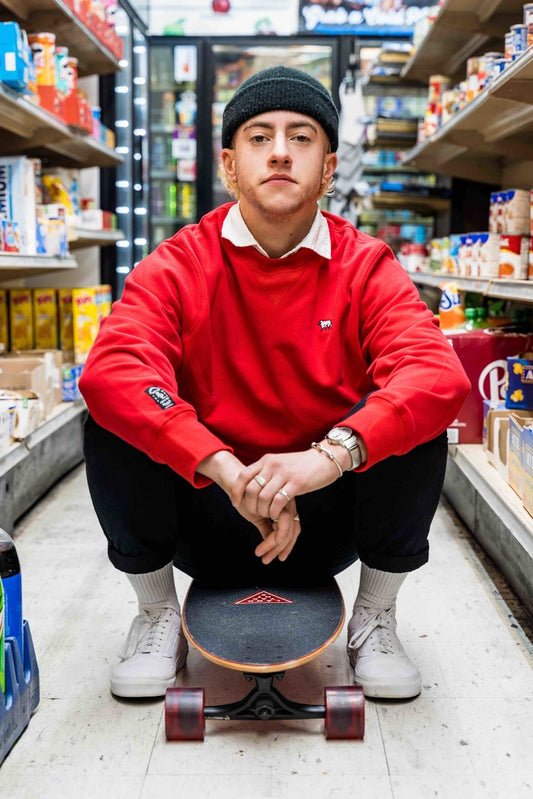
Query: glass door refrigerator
column 191, row 82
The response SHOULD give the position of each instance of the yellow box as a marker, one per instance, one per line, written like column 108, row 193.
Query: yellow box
column 103, row 300
column 4, row 324
column 45, row 319
column 20, row 319
column 66, row 323
column 85, row 322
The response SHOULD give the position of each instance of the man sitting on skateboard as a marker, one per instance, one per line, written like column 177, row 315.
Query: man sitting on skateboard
column 268, row 399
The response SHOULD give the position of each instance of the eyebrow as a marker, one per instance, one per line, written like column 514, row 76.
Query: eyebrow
column 291, row 125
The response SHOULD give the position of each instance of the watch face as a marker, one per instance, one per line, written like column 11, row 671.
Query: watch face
column 340, row 433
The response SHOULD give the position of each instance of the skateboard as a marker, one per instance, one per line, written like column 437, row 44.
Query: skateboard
column 263, row 632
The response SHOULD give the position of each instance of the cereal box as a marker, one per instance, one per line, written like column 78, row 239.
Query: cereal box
column 4, row 328
column 66, row 321
column 85, row 321
column 17, row 199
column 519, row 381
column 45, row 319
column 20, row 319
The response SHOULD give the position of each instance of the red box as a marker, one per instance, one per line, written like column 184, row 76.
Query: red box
column 483, row 354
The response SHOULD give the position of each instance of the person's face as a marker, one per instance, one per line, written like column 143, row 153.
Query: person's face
column 281, row 163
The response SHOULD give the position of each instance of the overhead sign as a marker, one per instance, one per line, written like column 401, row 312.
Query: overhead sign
column 362, row 17
column 224, row 17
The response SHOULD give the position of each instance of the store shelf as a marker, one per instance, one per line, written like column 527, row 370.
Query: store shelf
column 491, row 138
column 463, row 28
column 518, row 290
column 31, row 130
column 392, row 199
column 29, row 468
column 16, row 265
column 494, row 514
column 82, row 237
column 54, row 15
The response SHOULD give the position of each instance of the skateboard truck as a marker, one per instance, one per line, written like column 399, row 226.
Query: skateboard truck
column 186, row 712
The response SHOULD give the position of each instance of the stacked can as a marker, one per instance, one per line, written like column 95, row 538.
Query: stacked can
column 43, row 48
column 61, row 63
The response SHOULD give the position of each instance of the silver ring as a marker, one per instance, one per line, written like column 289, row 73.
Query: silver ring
column 284, row 494
column 260, row 480
column 296, row 518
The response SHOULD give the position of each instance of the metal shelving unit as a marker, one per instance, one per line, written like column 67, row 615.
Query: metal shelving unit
column 490, row 140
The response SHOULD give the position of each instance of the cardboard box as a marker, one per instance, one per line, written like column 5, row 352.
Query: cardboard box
column 33, row 374
column 24, row 374
column 53, row 363
column 28, row 411
column 519, row 382
column 527, row 468
column 515, row 459
column 483, row 354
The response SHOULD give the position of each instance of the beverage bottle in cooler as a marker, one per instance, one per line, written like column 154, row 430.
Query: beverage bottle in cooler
column 12, row 585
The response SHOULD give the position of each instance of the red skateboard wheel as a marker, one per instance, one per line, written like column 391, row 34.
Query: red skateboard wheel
column 345, row 712
column 184, row 714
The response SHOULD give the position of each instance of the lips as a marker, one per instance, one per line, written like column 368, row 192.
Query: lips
column 279, row 178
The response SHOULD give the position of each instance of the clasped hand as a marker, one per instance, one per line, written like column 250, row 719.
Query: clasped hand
column 264, row 493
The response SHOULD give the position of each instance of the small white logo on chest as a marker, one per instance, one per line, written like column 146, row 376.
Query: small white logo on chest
column 325, row 324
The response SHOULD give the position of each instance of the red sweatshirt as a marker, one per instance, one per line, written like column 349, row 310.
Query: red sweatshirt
column 214, row 346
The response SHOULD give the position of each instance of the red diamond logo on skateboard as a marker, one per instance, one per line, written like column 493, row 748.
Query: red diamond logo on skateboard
column 263, row 598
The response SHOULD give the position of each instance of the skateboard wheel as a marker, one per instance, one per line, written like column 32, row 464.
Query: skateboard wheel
column 184, row 714
column 345, row 712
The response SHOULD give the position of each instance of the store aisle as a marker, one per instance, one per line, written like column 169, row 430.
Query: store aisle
column 468, row 734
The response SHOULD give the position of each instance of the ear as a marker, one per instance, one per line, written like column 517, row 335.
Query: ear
column 227, row 158
column 330, row 165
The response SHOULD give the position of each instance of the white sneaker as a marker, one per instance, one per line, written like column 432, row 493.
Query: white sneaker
column 155, row 651
column 380, row 664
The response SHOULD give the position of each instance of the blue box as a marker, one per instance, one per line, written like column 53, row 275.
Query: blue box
column 14, row 66
column 519, row 382
column 71, row 374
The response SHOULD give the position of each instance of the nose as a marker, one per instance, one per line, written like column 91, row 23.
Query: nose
column 279, row 153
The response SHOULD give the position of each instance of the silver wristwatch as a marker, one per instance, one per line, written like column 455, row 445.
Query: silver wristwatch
column 346, row 437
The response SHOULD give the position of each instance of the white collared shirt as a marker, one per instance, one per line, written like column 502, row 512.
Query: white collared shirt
column 318, row 239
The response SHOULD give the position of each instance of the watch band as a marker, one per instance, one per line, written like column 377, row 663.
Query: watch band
column 347, row 439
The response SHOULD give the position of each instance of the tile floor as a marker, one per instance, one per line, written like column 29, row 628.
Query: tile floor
column 469, row 734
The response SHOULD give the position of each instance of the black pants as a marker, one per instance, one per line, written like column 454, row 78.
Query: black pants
column 151, row 516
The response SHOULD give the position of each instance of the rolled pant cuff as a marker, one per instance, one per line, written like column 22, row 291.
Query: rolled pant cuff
column 137, row 564
column 397, row 565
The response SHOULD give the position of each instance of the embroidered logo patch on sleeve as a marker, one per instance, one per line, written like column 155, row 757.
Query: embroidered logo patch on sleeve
column 159, row 395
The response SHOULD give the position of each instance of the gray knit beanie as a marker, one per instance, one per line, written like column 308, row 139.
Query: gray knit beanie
column 281, row 89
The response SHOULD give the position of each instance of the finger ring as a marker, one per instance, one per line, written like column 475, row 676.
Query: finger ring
column 296, row 518
column 284, row 494
column 260, row 480
column 274, row 521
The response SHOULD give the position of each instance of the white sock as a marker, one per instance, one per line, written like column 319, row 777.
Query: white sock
column 155, row 588
column 378, row 589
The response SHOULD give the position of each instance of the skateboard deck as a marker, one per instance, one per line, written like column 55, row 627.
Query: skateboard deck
column 262, row 629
